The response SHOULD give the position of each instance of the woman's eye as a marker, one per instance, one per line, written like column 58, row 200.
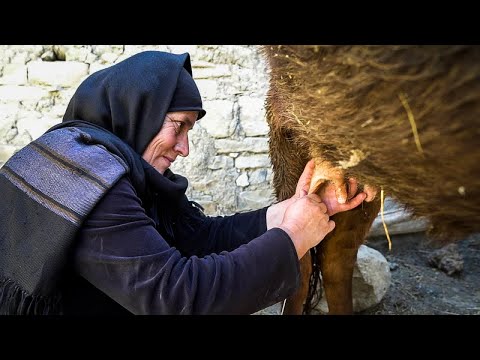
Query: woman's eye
column 178, row 126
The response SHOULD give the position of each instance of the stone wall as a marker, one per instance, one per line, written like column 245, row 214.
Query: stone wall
column 228, row 168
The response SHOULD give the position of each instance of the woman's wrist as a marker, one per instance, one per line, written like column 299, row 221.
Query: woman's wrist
column 275, row 213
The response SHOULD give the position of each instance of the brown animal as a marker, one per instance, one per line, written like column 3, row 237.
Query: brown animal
column 405, row 119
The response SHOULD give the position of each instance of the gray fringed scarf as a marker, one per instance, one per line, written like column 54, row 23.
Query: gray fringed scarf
column 48, row 189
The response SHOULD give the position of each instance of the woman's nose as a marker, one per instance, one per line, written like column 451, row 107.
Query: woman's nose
column 182, row 146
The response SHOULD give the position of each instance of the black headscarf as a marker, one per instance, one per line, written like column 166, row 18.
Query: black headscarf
column 130, row 99
column 120, row 108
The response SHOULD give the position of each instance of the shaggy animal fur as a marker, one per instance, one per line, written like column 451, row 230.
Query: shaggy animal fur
column 343, row 103
column 402, row 118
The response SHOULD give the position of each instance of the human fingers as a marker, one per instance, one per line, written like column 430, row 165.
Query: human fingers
column 306, row 177
column 317, row 199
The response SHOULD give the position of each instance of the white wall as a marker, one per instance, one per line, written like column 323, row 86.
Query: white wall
column 229, row 168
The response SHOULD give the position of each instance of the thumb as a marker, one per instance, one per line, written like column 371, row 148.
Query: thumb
column 306, row 177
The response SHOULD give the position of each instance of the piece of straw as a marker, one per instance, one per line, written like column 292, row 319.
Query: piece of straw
column 404, row 102
column 383, row 219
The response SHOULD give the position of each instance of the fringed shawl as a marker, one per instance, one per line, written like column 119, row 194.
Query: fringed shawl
column 48, row 189
column 50, row 186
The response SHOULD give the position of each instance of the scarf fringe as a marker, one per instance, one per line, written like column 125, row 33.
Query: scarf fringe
column 16, row 301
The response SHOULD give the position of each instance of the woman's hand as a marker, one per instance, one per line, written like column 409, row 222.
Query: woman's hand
column 329, row 193
column 306, row 222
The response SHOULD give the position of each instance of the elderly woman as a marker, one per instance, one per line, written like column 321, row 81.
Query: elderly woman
column 93, row 221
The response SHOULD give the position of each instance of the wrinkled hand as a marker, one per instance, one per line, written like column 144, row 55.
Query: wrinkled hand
column 305, row 179
column 306, row 222
column 330, row 193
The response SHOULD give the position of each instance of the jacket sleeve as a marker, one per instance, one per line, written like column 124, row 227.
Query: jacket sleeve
column 216, row 234
column 121, row 253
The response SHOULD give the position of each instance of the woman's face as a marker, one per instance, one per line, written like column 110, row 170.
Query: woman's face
column 171, row 140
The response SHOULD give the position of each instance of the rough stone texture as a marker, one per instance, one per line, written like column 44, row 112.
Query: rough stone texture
column 242, row 180
column 252, row 161
column 219, row 121
column 255, row 145
column 5, row 152
column 58, row 73
column 252, row 112
column 10, row 93
column 254, row 199
column 14, row 74
column 447, row 259
column 36, row 83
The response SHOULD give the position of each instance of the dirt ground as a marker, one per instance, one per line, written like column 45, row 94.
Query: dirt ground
column 422, row 287
column 419, row 285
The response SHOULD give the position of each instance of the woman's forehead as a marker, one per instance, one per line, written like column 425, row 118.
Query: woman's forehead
column 186, row 116
column 190, row 116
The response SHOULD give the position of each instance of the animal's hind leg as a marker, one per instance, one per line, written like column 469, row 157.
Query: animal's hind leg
column 338, row 254
column 288, row 160
column 295, row 303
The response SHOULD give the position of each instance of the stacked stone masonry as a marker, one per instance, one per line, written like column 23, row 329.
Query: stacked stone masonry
column 228, row 167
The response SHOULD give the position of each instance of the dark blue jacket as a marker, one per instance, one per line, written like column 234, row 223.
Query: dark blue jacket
column 207, row 265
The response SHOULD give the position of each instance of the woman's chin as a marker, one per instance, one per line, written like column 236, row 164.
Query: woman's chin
column 161, row 169
column 162, row 165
